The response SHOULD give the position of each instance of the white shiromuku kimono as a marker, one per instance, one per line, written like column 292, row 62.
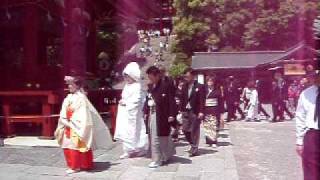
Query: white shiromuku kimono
column 86, row 125
column 253, row 105
column 130, row 126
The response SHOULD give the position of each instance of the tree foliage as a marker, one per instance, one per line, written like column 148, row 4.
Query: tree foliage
column 177, row 69
column 242, row 24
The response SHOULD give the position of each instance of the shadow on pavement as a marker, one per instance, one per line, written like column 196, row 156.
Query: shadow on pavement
column 224, row 144
column 179, row 160
column 181, row 144
column 102, row 166
column 206, row 151
column 223, row 129
column 223, row 135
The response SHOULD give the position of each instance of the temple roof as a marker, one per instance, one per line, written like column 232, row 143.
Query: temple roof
column 249, row 59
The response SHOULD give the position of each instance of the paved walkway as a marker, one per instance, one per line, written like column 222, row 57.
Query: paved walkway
column 20, row 162
column 265, row 150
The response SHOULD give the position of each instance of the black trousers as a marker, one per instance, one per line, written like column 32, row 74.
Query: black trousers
column 311, row 155
column 232, row 108
column 191, row 130
column 261, row 109
column 279, row 108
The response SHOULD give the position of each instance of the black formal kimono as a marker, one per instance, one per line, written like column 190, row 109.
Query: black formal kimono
column 159, row 106
column 163, row 96
column 213, row 110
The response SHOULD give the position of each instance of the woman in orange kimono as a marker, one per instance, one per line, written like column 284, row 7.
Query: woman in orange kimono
column 82, row 128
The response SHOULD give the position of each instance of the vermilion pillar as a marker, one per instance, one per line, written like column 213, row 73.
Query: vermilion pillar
column 31, row 42
column 92, row 48
column 76, row 32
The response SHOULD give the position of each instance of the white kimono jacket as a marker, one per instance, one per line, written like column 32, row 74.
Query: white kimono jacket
column 130, row 126
column 253, row 105
column 85, row 123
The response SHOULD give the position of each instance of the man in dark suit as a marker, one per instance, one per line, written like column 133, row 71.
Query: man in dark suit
column 192, row 106
column 232, row 97
column 279, row 91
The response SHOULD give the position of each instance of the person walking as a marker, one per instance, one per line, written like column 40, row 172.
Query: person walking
column 279, row 90
column 261, row 91
column 80, row 128
column 232, row 97
column 212, row 111
column 192, row 104
column 308, row 129
column 131, row 129
column 159, row 110
column 253, row 103
column 168, row 79
column 179, row 117
column 294, row 91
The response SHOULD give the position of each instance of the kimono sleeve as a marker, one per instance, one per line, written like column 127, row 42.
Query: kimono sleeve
column 172, row 102
column 80, row 120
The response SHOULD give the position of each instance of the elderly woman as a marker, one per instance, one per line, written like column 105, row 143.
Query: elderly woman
column 131, row 130
column 80, row 128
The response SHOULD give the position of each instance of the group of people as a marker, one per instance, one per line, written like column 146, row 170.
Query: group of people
column 147, row 122
column 248, row 100
column 145, row 38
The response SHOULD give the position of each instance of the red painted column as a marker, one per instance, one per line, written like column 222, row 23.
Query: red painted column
column 47, row 123
column 76, row 32
column 7, row 126
column 31, row 42
column 92, row 49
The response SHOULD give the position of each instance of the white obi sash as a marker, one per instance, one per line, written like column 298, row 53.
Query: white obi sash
column 211, row 102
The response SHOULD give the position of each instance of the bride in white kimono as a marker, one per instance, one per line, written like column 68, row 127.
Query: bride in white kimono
column 130, row 127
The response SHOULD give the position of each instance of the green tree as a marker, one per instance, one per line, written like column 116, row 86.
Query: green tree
column 236, row 25
column 283, row 27
column 177, row 69
column 192, row 25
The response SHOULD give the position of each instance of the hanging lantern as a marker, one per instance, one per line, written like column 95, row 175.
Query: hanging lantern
column 8, row 14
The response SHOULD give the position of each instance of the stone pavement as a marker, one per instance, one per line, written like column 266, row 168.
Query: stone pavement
column 265, row 150
column 24, row 163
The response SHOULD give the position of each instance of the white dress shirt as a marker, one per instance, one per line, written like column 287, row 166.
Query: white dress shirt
column 305, row 113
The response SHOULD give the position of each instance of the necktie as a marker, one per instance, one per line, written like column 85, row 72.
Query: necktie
column 317, row 110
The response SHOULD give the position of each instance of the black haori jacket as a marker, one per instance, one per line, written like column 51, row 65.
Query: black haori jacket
column 163, row 96
column 213, row 102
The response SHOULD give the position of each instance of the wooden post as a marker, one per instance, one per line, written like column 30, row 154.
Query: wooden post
column 47, row 123
column 75, row 36
column 92, row 49
column 30, row 40
column 7, row 128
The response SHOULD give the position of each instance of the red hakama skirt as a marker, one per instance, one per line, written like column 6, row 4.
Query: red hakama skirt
column 78, row 160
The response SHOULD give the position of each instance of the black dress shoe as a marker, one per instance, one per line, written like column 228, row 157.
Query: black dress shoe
column 194, row 154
